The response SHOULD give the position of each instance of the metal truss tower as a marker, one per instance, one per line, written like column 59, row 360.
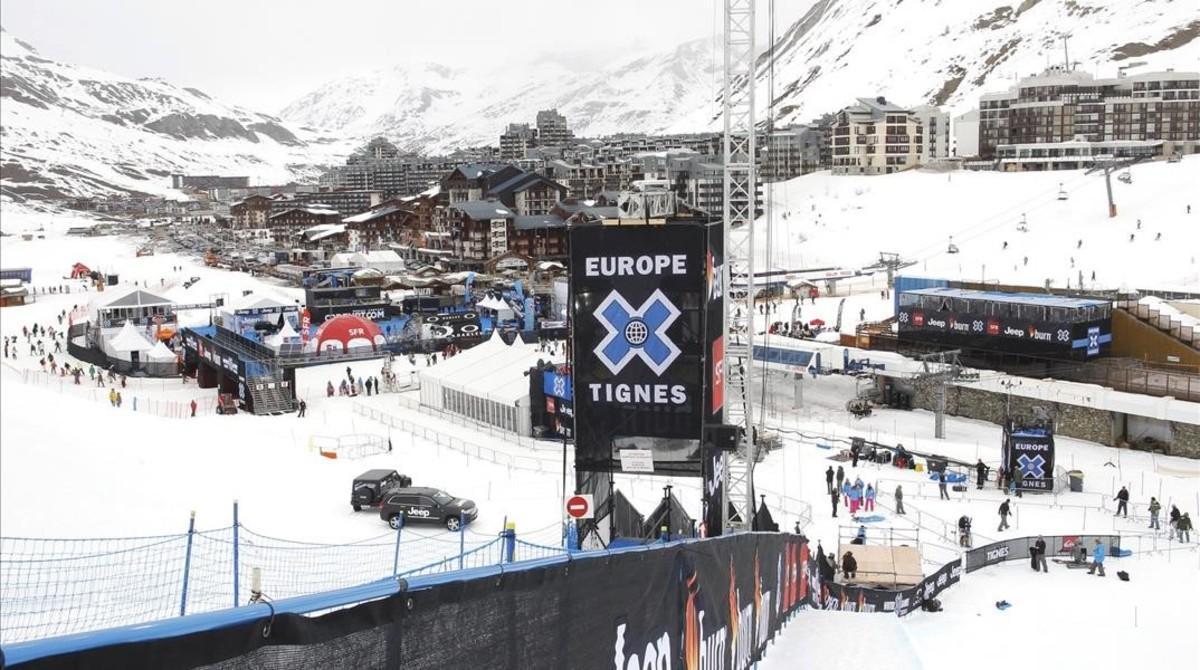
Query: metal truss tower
column 741, row 185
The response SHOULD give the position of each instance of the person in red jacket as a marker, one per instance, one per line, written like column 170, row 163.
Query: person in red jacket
column 193, row 407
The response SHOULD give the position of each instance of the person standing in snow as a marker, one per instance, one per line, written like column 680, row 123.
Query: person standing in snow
column 980, row 475
column 1005, row 510
column 1173, row 520
column 829, row 480
column 899, row 499
column 193, row 406
column 303, row 408
column 328, row 389
column 941, row 480
column 834, row 496
column 841, row 476
column 1154, row 508
column 854, row 455
column 1184, row 527
column 869, row 498
column 1097, row 559
column 1122, row 503
column 1039, row 555
column 854, row 494
column 964, row 531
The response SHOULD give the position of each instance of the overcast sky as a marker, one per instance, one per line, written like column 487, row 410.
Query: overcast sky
column 263, row 54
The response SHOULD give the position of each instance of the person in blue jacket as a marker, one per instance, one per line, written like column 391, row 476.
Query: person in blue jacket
column 1097, row 559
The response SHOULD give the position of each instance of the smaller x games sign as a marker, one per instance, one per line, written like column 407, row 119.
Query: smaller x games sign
column 1029, row 452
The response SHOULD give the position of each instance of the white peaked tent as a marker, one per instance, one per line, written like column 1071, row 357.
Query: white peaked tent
column 286, row 335
column 503, row 311
column 160, row 353
column 486, row 383
column 129, row 339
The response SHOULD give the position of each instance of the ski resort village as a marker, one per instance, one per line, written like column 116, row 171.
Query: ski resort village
column 719, row 334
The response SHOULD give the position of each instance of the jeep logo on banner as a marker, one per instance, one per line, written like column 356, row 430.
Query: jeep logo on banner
column 639, row 295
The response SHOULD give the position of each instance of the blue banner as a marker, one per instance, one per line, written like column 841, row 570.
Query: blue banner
column 559, row 386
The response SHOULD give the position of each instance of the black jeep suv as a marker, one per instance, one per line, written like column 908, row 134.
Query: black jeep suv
column 426, row 504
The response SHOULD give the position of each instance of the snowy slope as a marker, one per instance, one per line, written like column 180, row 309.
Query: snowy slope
column 912, row 51
column 77, row 131
column 845, row 221
column 947, row 52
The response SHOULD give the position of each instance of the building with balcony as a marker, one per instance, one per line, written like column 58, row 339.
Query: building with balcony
column 875, row 136
column 1063, row 106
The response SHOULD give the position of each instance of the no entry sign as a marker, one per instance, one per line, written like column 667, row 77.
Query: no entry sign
column 580, row 506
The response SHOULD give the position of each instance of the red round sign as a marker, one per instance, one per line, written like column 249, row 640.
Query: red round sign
column 578, row 507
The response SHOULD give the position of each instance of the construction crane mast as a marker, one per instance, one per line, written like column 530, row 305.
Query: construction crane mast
column 740, row 188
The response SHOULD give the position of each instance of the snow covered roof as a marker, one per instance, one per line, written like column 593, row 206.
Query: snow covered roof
column 491, row 370
column 129, row 339
column 372, row 214
column 483, row 209
column 315, row 210
column 998, row 296
column 258, row 301
column 324, row 230
column 138, row 298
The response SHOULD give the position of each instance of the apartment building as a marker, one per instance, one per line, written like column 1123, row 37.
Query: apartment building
column 516, row 140
column 875, row 136
column 1154, row 113
column 552, row 129
column 250, row 212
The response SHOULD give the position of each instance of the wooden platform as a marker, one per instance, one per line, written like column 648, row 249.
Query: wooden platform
column 882, row 565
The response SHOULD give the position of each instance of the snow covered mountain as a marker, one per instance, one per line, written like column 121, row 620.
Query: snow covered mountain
column 70, row 130
column 947, row 52
column 942, row 52
column 432, row 108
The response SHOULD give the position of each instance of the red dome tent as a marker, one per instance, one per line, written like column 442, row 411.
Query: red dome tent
column 346, row 332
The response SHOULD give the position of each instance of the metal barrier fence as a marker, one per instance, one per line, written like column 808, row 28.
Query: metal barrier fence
column 358, row 445
column 51, row 587
column 137, row 396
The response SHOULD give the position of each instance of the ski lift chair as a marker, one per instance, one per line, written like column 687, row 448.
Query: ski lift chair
column 1125, row 177
column 1062, row 193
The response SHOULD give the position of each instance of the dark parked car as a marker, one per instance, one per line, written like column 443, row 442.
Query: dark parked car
column 426, row 504
column 371, row 486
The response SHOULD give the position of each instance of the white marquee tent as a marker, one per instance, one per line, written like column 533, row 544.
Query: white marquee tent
column 486, row 383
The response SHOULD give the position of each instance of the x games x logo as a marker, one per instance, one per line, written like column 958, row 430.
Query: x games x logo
column 637, row 333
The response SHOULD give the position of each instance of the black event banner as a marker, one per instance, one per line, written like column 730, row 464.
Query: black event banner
column 1032, row 454
column 1017, row 548
column 830, row 595
column 692, row 606
column 638, row 302
column 1083, row 339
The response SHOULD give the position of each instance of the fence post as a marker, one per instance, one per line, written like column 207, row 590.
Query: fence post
column 235, row 553
column 187, row 563
column 396, row 556
column 510, row 541
column 462, row 538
